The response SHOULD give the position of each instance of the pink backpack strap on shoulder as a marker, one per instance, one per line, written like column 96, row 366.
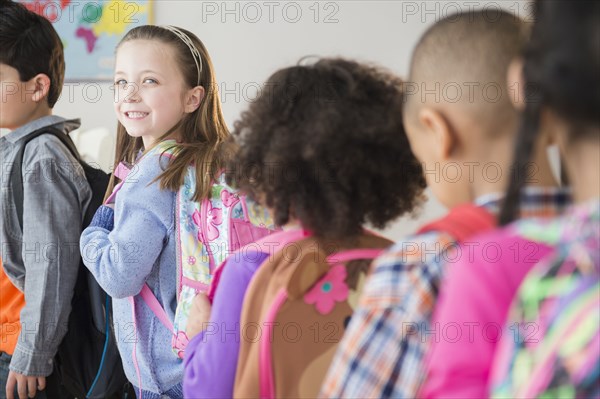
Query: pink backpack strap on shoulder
column 281, row 238
column 354, row 254
column 463, row 222
column 121, row 171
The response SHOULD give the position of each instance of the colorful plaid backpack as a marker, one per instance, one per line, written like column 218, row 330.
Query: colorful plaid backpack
column 206, row 233
column 551, row 345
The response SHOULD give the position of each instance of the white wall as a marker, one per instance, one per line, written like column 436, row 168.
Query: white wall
column 250, row 40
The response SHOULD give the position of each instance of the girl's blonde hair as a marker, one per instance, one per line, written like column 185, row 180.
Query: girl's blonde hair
column 203, row 133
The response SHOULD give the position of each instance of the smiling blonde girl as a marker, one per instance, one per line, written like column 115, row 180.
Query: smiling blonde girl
column 163, row 101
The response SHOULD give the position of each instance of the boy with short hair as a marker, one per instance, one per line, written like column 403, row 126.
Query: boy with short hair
column 40, row 261
column 461, row 126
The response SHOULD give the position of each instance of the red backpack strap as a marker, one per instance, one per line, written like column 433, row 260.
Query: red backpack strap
column 463, row 222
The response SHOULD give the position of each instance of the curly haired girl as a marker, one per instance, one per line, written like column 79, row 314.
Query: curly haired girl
column 323, row 148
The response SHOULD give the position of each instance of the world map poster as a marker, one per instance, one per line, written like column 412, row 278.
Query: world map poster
column 91, row 30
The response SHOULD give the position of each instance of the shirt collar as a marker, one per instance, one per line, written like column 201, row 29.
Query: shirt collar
column 531, row 196
column 50, row 120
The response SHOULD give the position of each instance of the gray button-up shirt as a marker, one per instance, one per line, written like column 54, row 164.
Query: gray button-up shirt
column 42, row 260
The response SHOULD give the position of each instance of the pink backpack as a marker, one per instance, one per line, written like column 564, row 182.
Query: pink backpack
column 206, row 233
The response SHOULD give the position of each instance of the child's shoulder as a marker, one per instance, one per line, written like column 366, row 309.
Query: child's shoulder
column 38, row 139
column 142, row 182
column 417, row 249
column 150, row 164
column 46, row 147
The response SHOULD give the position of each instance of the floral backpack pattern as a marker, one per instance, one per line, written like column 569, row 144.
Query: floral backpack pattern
column 296, row 310
column 206, row 233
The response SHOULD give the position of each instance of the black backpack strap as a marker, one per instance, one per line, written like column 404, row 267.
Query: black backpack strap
column 16, row 174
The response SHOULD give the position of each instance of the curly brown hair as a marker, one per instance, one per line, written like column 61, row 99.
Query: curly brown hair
column 324, row 143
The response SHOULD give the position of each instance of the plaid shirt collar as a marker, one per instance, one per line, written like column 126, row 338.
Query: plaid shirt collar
column 535, row 201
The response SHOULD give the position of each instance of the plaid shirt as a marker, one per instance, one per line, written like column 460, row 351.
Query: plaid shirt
column 382, row 351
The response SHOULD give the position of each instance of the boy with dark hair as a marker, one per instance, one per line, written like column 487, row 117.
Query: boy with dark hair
column 40, row 256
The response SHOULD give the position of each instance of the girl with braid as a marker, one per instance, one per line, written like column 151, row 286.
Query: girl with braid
column 549, row 346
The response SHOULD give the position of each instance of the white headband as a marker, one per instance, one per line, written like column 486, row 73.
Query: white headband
column 186, row 39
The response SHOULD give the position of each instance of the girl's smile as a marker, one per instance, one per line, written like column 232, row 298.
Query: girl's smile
column 150, row 93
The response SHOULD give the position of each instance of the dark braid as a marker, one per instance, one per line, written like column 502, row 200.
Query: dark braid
column 525, row 144
column 561, row 64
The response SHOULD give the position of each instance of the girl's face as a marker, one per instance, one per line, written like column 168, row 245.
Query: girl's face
column 150, row 94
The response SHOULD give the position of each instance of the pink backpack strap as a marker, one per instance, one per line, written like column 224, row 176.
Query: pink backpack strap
column 205, row 204
column 212, row 290
column 150, row 299
column 156, row 308
column 121, row 171
column 134, row 351
column 354, row 254
column 266, row 376
column 282, row 238
column 265, row 355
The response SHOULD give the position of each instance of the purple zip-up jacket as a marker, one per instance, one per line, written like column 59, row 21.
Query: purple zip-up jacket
column 211, row 357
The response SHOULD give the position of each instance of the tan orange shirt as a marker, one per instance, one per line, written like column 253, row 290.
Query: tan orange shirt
column 11, row 302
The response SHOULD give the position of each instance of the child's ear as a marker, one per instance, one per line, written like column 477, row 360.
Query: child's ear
column 194, row 99
column 516, row 84
column 41, row 87
column 440, row 131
